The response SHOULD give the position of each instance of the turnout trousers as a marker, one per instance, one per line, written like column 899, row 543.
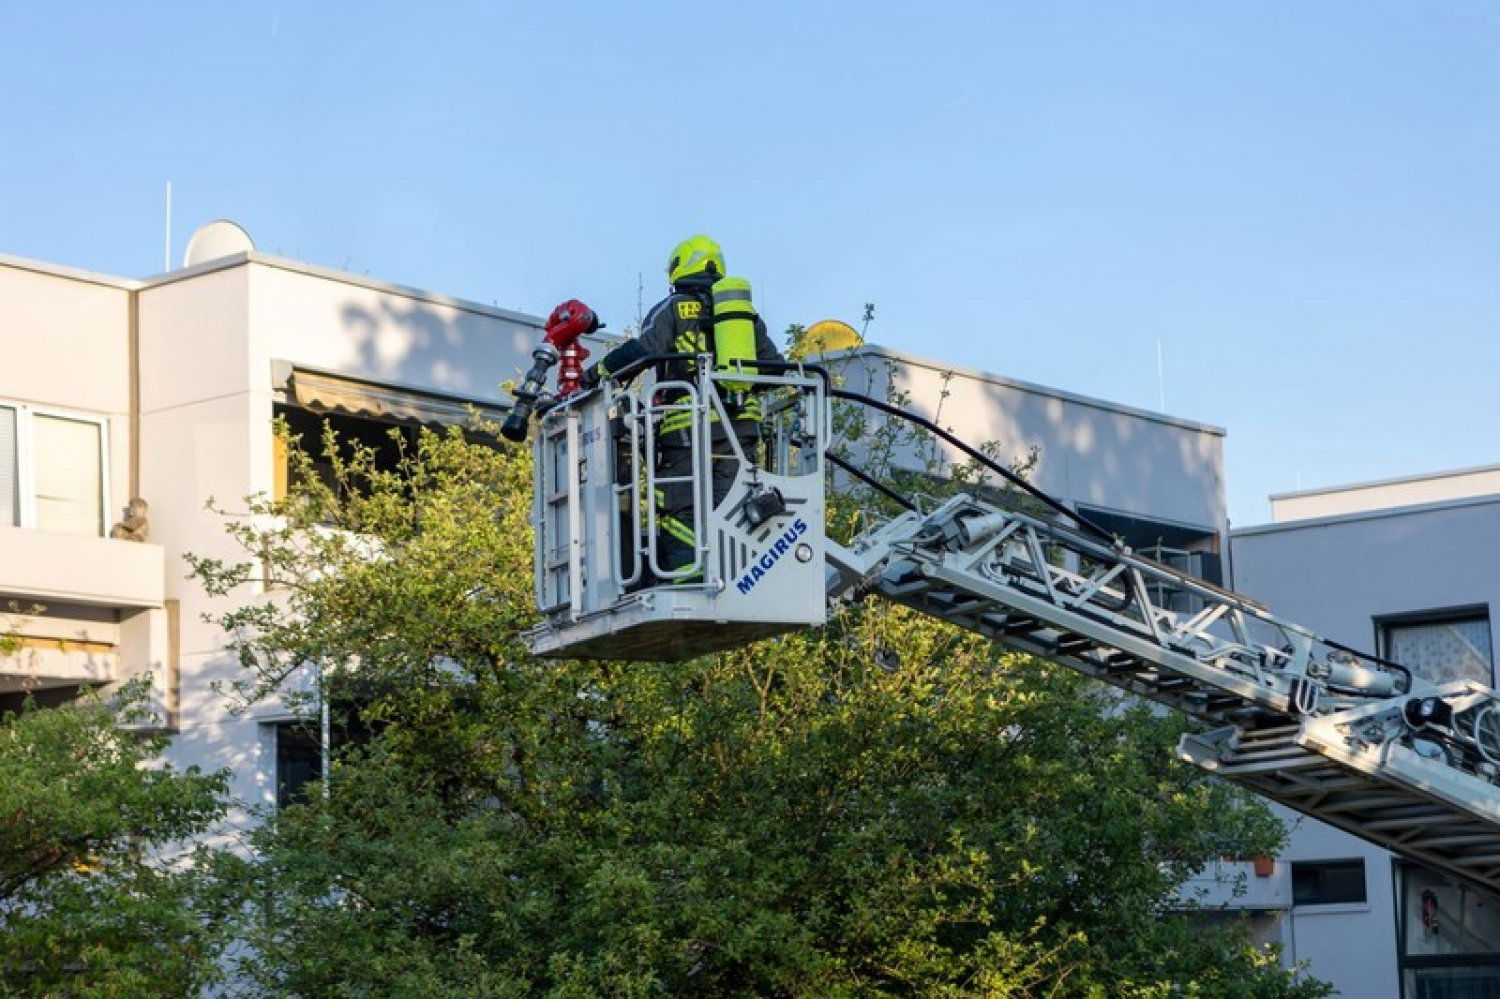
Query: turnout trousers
column 677, row 543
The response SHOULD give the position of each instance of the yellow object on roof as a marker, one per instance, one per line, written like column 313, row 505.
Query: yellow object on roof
column 826, row 336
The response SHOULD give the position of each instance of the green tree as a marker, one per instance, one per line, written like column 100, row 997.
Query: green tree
column 95, row 899
column 884, row 806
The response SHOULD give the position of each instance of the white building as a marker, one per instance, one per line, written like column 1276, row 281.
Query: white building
column 166, row 388
column 1408, row 568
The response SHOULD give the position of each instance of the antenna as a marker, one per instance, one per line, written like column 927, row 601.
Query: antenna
column 166, row 249
column 219, row 238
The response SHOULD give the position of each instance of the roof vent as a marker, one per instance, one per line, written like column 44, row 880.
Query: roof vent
column 219, row 238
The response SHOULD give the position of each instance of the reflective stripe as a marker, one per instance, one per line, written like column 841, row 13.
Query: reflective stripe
column 731, row 295
column 673, row 422
column 679, row 530
column 682, row 419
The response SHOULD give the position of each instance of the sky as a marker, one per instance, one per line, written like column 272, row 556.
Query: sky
column 1296, row 206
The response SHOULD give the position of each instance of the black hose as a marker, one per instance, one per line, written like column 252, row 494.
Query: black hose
column 870, row 481
column 980, row 457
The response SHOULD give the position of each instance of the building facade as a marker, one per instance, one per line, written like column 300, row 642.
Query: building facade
column 1157, row 481
column 1408, row 568
column 164, row 390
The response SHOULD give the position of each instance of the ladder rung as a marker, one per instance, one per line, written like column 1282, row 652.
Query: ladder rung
column 1405, row 821
column 1445, row 842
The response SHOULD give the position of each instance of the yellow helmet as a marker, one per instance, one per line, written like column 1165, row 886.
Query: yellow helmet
column 694, row 255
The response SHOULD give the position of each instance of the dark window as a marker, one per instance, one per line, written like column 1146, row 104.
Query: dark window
column 299, row 763
column 1324, row 882
column 387, row 440
column 1188, row 549
column 1450, row 936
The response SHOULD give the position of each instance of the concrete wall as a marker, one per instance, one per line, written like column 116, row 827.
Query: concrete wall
column 1337, row 575
column 1092, row 453
column 67, row 346
column 386, row 334
column 206, row 338
column 89, row 600
column 1387, row 494
column 209, row 336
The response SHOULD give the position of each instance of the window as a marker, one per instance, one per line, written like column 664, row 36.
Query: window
column 1327, row 882
column 1186, row 548
column 52, row 470
column 306, row 428
column 299, row 762
column 1440, row 646
column 1449, row 935
column 10, row 484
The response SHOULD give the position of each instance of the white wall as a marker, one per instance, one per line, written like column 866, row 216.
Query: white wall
column 1092, row 452
column 67, row 345
column 1337, row 575
column 208, row 337
column 66, row 341
column 386, row 334
column 1370, row 496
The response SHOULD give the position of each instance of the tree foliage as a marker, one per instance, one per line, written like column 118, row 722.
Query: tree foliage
column 884, row 806
column 90, row 901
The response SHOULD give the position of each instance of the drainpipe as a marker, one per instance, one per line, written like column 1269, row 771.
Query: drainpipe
column 133, row 324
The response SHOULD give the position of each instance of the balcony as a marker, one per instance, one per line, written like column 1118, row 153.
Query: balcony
column 82, row 605
column 43, row 567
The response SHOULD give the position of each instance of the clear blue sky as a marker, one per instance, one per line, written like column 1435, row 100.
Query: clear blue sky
column 1301, row 201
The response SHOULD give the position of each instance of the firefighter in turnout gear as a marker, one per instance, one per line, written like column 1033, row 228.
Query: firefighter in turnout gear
column 708, row 313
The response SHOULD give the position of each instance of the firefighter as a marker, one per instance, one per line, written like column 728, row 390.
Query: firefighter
column 707, row 313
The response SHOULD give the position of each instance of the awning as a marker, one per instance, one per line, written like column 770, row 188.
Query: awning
column 327, row 392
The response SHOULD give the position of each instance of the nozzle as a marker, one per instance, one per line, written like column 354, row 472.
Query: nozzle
column 514, row 427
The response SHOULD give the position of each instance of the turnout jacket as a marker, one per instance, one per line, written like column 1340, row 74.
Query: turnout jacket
column 678, row 325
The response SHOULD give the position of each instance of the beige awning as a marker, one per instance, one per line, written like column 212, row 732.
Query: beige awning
column 324, row 392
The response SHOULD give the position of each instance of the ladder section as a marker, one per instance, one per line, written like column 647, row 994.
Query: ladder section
column 559, row 522
column 1358, row 743
column 1380, row 802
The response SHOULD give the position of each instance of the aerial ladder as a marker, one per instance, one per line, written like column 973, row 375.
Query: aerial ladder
column 1351, row 739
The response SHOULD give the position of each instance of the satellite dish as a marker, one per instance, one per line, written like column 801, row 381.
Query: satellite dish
column 220, row 238
column 828, row 335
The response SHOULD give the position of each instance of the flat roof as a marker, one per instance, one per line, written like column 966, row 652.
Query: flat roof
column 71, row 273
column 1333, row 520
column 976, row 374
column 268, row 260
column 1378, row 483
